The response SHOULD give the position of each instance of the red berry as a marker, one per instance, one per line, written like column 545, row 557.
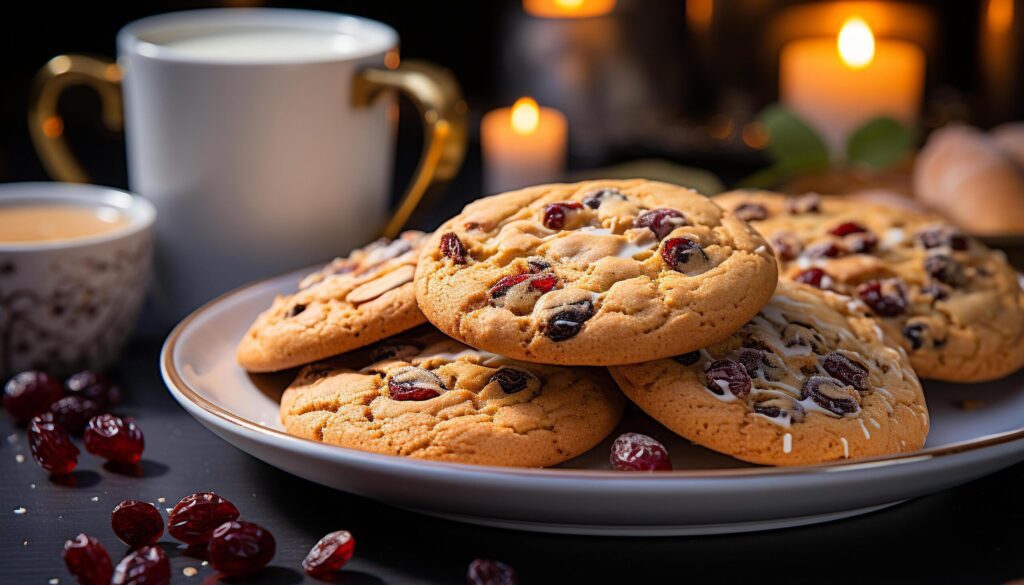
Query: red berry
column 847, row 228
column 544, row 282
column 51, row 446
column 488, row 572
column 554, row 213
column 29, row 394
column 683, row 253
column 807, row 203
column 501, row 287
column 145, row 566
column 451, row 247
column 137, row 523
column 636, row 452
column 815, row 277
column 750, row 211
column 722, row 374
column 238, row 548
column 660, row 221
column 73, row 413
column 94, row 386
column 195, row 517
column 824, row 250
column 328, row 556
column 115, row 439
column 87, row 560
column 885, row 297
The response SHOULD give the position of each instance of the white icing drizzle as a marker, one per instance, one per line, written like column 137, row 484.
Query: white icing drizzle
column 810, row 405
column 787, row 443
column 804, row 262
column 893, row 237
column 867, row 434
column 846, row 447
column 595, row 230
column 760, row 250
column 782, row 421
column 628, row 249
column 875, row 423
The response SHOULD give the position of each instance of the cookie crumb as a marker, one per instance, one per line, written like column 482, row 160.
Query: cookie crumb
column 846, row 447
column 19, row 458
column 190, row 571
column 21, row 511
column 94, row 499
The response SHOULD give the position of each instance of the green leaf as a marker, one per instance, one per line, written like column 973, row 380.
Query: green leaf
column 879, row 143
column 791, row 138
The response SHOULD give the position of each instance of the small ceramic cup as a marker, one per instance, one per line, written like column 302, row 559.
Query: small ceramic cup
column 71, row 304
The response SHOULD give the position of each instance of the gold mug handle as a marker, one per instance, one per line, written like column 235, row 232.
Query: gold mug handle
column 432, row 89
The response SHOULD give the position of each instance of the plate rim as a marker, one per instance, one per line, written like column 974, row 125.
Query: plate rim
column 178, row 387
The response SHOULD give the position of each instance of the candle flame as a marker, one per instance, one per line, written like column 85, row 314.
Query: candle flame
column 569, row 4
column 525, row 116
column 999, row 15
column 568, row 8
column 856, row 43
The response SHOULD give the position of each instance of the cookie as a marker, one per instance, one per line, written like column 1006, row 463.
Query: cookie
column 350, row 303
column 954, row 305
column 434, row 398
column 593, row 273
column 810, row 379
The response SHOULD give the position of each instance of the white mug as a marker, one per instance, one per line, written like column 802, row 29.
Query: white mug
column 264, row 137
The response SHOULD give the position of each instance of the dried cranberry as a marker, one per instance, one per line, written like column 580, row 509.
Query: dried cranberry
column 115, row 439
column 722, row 374
column 936, row 291
column 88, row 561
column 807, row 203
column 195, row 517
column 511, row 380
column 824, row 250
column 137, row 523
column 939, row 236
column 815, row 277
column 29, row 394
column 238, row 548
column 488, row 572
column 538, row 264
column 414, row 383
column 830, row 394
column 73, row 413
column 780, row 407
column 914, row 333
column 327, row 557
column 51, row 446
column 567, row 322
column 144, row 566
column 862, row 243
column 501, row 287
column 759, row 362
column 885, row 297
column 750, row 211
column 660, row 221
column 296, row 310
column 684, row 253
column 94, row 386
column 847, row 228
column 787, row 245
column 544, row 282
column 688, row 359
column 554, row 213
column 451, row 247
column 594, row 199
column 846, row 370
column 636, row 452
column 943, row 268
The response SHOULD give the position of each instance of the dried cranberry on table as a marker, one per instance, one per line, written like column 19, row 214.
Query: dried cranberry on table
column 29, row 394
column 137, row 523
column 239, row 548
column 144, row 566
column 74, row 412
column 488, row 572
column 114, row 439
column 94, row 386
column 636, row 452
column 327, row 557
column 87, row 560
column 51, row 446
column 195, row 517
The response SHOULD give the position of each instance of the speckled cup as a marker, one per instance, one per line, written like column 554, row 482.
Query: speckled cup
column 72, row 304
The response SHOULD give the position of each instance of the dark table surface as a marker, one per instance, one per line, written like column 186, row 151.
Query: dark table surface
column 971, row 534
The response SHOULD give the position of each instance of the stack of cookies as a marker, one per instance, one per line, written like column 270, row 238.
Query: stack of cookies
column 549, row 307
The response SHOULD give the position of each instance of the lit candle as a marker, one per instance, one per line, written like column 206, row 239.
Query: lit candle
column 838, row 84
column 568, row 8
column 522, row 145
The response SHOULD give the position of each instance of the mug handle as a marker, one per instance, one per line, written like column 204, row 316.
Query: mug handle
column 45, row 124
column 442, row 110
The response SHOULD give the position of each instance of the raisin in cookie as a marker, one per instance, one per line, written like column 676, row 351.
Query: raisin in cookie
column 593, row 273
column 434, row 398
column 955, row 306
column 350, row 303
column 810, row 379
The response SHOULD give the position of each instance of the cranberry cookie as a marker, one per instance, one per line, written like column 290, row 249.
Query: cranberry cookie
column 350, row 303
column 431, row 397
column 955, row 306
column 593, row 273
column 810, row 379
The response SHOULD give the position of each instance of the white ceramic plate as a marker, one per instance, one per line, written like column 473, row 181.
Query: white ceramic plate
column 708, row 493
